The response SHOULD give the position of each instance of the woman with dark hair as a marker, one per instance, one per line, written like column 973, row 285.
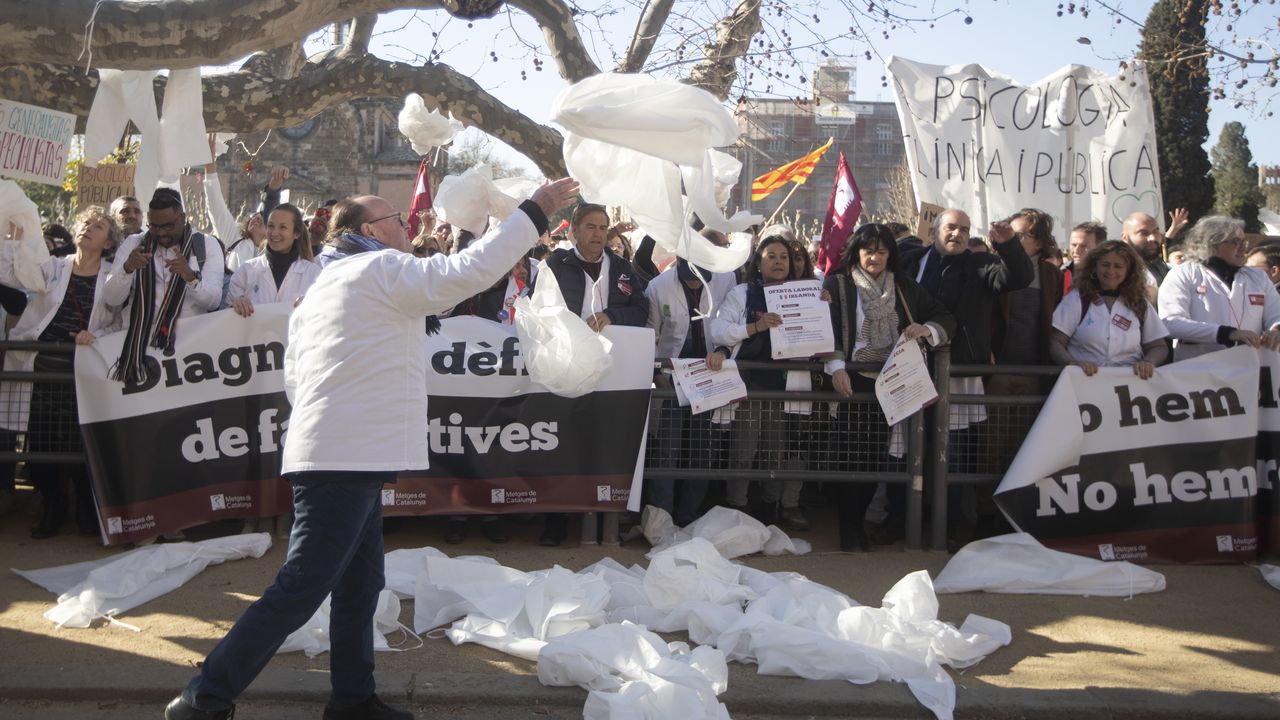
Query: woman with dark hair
column 872, row 305
column 285, row 269
column 740, row 329
column 70, row 309
column 1106, row 319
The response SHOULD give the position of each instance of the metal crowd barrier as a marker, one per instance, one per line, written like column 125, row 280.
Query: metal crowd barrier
column 800, row 436
column 979, row 454
column 43, row 441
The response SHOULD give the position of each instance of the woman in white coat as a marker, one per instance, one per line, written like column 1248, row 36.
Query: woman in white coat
column 282, row 273
column 70, row 309
column 1106, row 319
column 285, row 269
column 1212, row 301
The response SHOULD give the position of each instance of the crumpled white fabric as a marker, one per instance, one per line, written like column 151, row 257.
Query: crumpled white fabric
column 425, row 128
column 636, row 141
column 1271, row 573
column 632, row 673
column 800, row 628
column 470, row 199
column 732, row 532
column 561, row 353
column 168, row 145
column 107, row 587
column 593, row 628
column 1017, row 563
column 313, row 637
column 31, row 252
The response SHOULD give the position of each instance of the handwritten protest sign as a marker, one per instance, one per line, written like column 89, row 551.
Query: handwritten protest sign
column 34, row 142
column 100, row 185
column 1078, row 144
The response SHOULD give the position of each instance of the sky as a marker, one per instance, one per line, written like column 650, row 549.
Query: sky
column 1023, row 39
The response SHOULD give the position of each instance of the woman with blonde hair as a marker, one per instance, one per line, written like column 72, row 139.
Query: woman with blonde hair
column 1106, row 319
column 69, row 309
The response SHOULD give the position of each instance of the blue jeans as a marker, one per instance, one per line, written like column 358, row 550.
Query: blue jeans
column 335, row 547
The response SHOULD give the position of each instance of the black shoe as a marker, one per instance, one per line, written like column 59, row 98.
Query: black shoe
column 495, row 531
column 179, row 709
column 554, row 530
column 371, row 709
column 455, row 531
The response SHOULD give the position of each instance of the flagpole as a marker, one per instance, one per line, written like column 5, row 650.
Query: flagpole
column 794, row 188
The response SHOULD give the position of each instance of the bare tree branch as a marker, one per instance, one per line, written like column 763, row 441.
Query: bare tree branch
column 245, row 102
column 358, row 37
column 652, row 20
column 718, row 71
column 561, row 32
column 155, row 35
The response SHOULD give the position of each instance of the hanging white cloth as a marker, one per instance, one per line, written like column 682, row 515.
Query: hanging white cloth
column 167, row 145
column 18, row 209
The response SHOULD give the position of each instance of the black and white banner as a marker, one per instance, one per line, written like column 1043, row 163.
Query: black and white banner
column 202, row 440
column 1161, row 470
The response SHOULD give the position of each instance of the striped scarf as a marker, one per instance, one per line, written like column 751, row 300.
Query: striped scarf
column 145, row 328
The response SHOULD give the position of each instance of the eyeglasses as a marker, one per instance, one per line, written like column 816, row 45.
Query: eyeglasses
column 397, row 216
column 1233, row 241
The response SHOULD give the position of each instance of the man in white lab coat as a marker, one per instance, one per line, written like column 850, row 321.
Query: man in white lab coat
column 356, row 374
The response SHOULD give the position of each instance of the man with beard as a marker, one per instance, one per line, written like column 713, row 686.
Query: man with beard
column 1141, row 231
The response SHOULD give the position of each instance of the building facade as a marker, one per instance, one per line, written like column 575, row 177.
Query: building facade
column 354, row 148
column 776, row 131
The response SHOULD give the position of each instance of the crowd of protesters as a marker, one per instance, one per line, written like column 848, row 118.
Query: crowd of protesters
column 1004, row 297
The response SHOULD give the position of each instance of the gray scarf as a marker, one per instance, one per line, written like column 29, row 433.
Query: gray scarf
column 879, row 316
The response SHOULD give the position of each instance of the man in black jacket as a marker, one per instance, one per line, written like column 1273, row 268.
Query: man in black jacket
column 602, row 288
column 598, row 284
column 968, row 284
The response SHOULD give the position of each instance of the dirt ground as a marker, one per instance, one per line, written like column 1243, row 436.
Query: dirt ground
column 1209, row 641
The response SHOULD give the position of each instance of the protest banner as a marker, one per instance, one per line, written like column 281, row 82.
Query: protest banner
column 1268, row 453
column 1159, row 470
column 1078, row 144
column 34, row 142
column 102, row 184
column 201, row 440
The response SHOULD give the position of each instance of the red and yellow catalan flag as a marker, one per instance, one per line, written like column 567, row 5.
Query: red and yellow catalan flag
column 796, row 171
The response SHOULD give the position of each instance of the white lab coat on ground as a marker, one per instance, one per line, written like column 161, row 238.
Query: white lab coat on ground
column 356, row 365
column 669, row 312
column 1194, row 303
column 15, row 397
column 1107, row 338
column 253, row 280
column 201, row 298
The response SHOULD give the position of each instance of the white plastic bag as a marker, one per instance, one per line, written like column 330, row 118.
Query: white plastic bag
column 560, row 352
column 647, row 144
column 425, row 128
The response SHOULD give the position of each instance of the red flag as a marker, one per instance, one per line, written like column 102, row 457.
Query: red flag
column 421, row 199
column 843, row 211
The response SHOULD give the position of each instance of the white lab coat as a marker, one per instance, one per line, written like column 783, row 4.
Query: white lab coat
column 1106, row 338
column 15, row 397
column 669, row 312
column 1194, row 303
column 356, row 367
column 253, row 280
column 201, row 297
